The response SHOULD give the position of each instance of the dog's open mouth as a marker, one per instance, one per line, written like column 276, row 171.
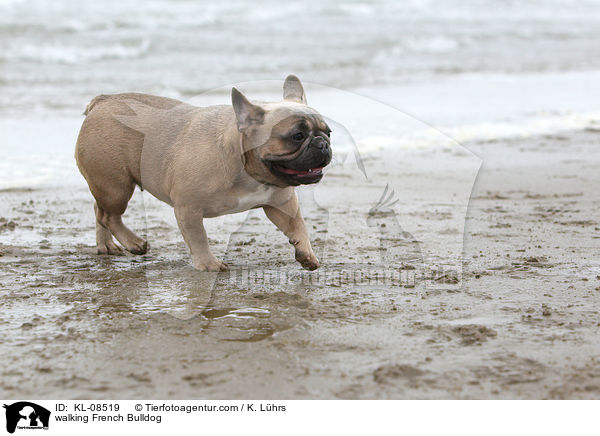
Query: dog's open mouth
column 302, row 176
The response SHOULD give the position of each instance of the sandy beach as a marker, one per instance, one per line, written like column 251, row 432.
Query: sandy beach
column 523, row 324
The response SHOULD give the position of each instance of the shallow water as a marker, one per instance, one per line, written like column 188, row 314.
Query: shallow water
column 58, row 54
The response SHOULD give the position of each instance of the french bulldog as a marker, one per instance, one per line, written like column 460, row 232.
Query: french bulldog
column 204, row 162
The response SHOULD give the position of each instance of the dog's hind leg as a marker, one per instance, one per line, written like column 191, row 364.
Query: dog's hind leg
column 108, row 214
column 108, row 154
column 104, row 240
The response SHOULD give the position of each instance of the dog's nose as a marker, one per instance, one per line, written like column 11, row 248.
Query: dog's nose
column 322, row 144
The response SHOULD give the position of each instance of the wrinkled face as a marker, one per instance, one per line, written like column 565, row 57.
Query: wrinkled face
column 292, row 145
column 285, row 143
column 298, row 149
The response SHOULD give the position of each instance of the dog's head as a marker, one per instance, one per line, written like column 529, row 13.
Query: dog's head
column 285, row 143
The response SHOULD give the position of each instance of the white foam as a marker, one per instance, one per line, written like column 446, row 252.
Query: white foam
column 74, row 54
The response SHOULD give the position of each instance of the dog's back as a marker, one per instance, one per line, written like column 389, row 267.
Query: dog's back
column 105, row 144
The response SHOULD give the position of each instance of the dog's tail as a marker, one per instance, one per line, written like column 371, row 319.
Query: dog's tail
column 94, row 102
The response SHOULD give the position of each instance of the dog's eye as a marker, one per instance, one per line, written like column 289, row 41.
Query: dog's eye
column 298, row 136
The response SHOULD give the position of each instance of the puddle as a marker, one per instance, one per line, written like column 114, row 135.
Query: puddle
column 249, row 312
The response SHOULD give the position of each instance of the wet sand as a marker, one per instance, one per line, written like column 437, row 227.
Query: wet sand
column 524, row 322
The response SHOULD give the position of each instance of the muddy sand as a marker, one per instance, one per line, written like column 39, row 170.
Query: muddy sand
column 522, row 323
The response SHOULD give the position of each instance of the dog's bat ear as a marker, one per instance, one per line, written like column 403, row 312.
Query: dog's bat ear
column 293, row 90
column 246, row 113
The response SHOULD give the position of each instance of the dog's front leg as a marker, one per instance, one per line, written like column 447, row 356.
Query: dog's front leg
column 194, row 235
column 288, row 219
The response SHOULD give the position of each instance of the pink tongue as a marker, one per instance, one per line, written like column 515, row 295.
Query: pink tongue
column 298, row 173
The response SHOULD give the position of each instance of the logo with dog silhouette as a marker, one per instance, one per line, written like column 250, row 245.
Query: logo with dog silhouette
column 26, row 415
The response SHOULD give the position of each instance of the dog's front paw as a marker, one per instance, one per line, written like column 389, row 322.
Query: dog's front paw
column 212, row 265
column 308, row 260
